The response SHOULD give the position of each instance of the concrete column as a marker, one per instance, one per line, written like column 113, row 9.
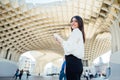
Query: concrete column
column 8, row 55
column 115, row 31
column 3, row 53
column 115, row 57
column 117, row 35
column 13, row 55
column 16, row 57
column 36, row 69
column 42, row 67
column 39, row 67
column 0, row 51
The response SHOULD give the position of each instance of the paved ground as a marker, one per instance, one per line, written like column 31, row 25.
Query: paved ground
column 41, row 78
column 33, row 78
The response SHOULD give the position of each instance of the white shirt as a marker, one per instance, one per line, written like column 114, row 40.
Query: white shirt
column 74, row 45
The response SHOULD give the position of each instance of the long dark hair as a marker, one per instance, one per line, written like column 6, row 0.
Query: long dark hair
column 81, row 25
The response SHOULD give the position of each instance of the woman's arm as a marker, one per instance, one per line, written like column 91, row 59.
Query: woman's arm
column 58, row 38
column 73, row 42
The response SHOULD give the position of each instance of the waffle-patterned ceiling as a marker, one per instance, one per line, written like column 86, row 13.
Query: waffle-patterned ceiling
column 25, row 27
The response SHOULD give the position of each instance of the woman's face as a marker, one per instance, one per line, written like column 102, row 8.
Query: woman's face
column 74, row 23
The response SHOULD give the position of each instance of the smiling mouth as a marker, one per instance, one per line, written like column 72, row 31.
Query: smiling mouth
column 73, row 25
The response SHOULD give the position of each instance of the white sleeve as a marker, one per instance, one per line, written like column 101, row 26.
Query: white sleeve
column 72, row 43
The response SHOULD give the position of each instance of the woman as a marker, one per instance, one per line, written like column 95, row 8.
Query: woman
column 74, row 49
column 16, row 74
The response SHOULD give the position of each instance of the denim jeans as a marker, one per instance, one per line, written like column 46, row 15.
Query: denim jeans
column 62, row 76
